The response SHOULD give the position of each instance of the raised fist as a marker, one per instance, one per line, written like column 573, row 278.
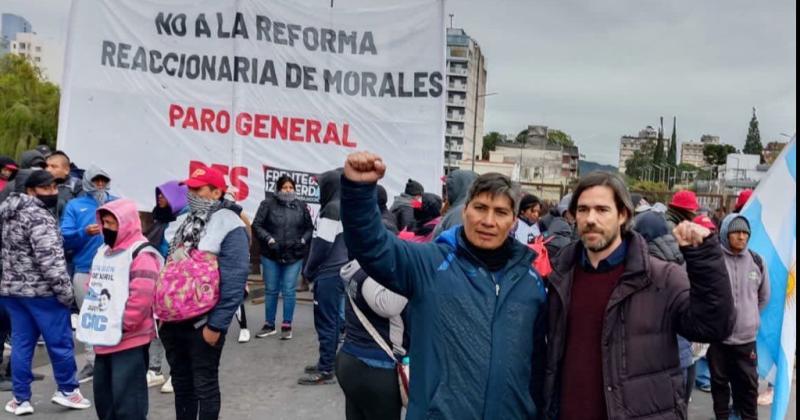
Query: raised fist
column 690, row 234
column 364, row 167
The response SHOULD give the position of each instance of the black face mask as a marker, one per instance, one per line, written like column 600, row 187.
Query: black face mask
column 50, row 201
column 109, row 237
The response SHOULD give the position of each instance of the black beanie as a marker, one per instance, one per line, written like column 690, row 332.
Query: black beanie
column 39, row 178
column 414, row 188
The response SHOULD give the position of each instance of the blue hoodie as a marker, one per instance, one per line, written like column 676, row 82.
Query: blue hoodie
column 477, row 338
column 79, row 214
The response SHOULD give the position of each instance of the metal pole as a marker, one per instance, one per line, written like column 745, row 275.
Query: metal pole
column 475, row 112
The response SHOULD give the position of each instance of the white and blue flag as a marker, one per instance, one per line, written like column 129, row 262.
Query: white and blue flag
column 772, row 212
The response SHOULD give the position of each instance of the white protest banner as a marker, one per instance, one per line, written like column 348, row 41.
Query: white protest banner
column 153, row 90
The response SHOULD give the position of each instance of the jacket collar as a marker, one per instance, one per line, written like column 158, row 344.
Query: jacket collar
column 634, row 277
column 452, row 238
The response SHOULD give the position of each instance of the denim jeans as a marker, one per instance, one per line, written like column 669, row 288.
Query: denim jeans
column 279, row 278
column 703, row 374
column 328, row 292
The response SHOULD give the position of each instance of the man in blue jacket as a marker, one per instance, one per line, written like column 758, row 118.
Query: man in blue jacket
column 82, row 238
column 477, row 306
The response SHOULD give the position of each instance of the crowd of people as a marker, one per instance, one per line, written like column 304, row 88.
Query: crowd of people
column 481, row 302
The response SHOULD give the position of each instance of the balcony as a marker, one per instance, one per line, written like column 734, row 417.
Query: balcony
column 455, row 117
column 454, row 148
column 455, row 133
column 457, row 71
column 456, row 102
column 459, row 87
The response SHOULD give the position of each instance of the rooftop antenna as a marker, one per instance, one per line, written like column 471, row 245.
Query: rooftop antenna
column 451, row 20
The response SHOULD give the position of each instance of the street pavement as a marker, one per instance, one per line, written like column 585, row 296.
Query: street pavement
column 259, row 381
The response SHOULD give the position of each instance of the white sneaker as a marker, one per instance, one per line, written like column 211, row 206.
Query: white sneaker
column 244, row 335
column 155, row 379
column 19, row 408
column 167, row 388
column 73, row 399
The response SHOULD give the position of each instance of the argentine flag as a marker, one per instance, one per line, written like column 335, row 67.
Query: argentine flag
column 772, row 212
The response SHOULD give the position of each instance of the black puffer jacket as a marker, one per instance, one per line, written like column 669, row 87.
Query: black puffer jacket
column 652, row 303
column 289, row 225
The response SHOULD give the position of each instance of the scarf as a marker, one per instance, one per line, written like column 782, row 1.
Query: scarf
column 494, row 259
column 194, row 226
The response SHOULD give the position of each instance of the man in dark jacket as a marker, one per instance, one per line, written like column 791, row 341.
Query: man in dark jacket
column 614, row 312
column 328, row 254
column 476, row 305
column 403, row 205
column 69, row 187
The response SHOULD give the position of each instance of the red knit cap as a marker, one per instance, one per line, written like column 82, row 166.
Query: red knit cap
column 686, row 200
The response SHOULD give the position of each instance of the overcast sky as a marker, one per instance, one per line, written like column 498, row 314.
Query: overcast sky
column 601, row 69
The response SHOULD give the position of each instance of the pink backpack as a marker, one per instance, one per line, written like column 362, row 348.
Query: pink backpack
column 187, row 288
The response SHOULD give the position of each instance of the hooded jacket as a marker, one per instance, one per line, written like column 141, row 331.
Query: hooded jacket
column 32, row 251
column 652, row 303
column 138, row 327
column 289, row 225
column 750, row 286
column 78, row 215
column 175, row 193
column 457, row 185
column 477, row 338
column 328, row 253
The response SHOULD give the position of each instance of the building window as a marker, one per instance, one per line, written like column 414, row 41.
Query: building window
column 21, row 45
column 38, row 49
column 37, row 59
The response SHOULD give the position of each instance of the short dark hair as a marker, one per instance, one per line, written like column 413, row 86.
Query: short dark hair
column 622, row 197
column 283, row 180
column 494, row 184
column 60, row 153
column 105, row 292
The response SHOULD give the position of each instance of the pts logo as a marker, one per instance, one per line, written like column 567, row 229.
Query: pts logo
column 236, row 175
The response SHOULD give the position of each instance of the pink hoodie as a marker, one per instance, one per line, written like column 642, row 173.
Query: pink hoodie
column 138, row 327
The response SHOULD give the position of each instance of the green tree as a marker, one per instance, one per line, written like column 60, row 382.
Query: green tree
column 717, row 154
column 753, row 146
column 490, row 142
column 28, row 107
column 672, row 157
column 560, row 138
column 658, row 153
